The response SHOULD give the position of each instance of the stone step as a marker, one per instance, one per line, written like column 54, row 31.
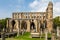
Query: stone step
column 35, row 35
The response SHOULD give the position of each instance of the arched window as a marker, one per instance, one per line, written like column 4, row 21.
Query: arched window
column 23, row 25
column 32, row 25
column 13, row 23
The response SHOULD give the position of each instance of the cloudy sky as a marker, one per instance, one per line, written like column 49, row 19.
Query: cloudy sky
column 7, row 7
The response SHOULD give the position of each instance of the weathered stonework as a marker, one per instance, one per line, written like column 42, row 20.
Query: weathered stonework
column 37, row 17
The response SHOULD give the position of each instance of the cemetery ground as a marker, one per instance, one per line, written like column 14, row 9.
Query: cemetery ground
column 27, row 36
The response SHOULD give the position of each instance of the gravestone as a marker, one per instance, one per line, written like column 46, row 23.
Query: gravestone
column 57, row 31
column 46, row 34
column 36, row 35
column 40, row 33
column 3, row 36
column 53, row 36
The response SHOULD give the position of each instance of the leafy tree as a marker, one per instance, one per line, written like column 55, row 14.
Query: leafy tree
column 3, row 22
column 56, row 21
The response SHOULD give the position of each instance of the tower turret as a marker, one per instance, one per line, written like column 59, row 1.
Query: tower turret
column 50, row 16
column 50, row 10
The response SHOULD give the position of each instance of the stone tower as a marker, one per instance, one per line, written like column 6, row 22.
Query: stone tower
column 50, row 16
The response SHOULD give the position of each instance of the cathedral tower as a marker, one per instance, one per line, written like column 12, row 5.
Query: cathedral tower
column 50, row 16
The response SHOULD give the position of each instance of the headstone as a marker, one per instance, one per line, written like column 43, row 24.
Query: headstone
column 46, row 34
column 35, row 35
column 57, row 31
column 53, row 36
column 3, row 36
column 40, row 33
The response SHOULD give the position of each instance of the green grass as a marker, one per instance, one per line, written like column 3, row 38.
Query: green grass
column 26, row 36
column 49, row 35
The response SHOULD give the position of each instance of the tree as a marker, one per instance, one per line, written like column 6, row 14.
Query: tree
column 56, row 21
column 3, row 26
column 3, row 22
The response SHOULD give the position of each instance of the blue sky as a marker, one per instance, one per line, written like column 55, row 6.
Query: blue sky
column 7, row 7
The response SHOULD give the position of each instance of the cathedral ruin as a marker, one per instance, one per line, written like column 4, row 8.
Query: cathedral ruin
column 31, row 20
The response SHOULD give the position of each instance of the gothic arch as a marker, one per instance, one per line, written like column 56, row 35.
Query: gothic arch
column 23, row 25
column 13, row 22
column 32, row 25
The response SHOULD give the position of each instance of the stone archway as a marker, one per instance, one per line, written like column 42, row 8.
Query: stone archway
column 23, row 25
column 32, row 26
column 13, row 23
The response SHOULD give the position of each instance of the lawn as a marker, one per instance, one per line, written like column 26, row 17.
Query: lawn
column 26, row 36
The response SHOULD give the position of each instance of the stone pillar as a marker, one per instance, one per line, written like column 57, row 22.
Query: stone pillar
column 38, row 26
column 46, row 34
column 18, row 28
column 28, row 26
column 10, row 25
column 35, row 24
column 20, row 25
column 7, row 25
column 57, row 31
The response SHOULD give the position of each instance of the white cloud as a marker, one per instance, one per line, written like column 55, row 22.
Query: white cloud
column 40, row 5
column 46, row 0
column 34, row 4
column 56, row 9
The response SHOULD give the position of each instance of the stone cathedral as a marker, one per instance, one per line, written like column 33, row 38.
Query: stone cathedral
column 31, row 20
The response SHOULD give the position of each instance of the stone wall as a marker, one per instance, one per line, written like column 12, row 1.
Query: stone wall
column 38, row 17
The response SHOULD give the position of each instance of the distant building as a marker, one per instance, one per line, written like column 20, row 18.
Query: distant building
column 32, row 20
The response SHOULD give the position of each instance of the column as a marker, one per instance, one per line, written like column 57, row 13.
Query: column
column 10, row 26
column 46, row 34
column 7, row 25
column 36, row 24
column 18, row 27
column 57, row 31
column 28, row 26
